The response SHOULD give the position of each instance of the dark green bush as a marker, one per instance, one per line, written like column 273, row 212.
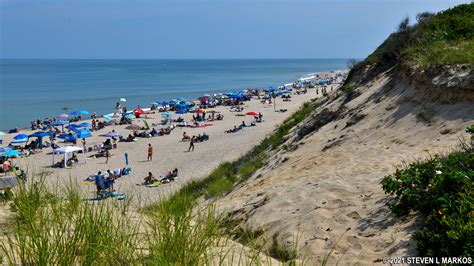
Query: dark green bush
column 441, row 189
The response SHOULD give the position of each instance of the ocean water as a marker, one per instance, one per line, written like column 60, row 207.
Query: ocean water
column 32, row 89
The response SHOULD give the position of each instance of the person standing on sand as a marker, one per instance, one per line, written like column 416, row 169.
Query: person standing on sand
column 107, row 155
column 84, row 144
column 98, row 182
column 191, row 144
column 150, row 152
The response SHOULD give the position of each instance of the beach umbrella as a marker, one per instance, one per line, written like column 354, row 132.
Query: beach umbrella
column 137, row 112
column 123, row 99
column 207, row 95
column 63, row 115
column 112, row 134
column 20, row 136
column 235, row 96
column 17, row 141
column 10, row 153
column 108, row 118
column 251, row 113
column 2, row 133
column 5, row 149
column 180, row 112
column 85, row 124
column 200, row 111
column 181, row 99
column 165, row 114
column 83, row 112
column 133, row 127
column 67, row 137
column 130, row 116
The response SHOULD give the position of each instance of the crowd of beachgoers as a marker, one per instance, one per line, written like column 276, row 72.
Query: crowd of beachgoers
column 68, row 135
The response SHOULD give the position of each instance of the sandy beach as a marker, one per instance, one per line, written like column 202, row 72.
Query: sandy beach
column 169, row 151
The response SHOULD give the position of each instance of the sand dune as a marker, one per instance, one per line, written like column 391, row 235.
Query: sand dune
column 324, row 195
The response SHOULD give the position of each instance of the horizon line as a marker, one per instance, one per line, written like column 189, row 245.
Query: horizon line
column 257, row 58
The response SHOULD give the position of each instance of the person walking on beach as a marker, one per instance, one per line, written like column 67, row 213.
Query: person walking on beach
column 84, row 144
column 150, row 152
column 107, row 155
column 191, row 144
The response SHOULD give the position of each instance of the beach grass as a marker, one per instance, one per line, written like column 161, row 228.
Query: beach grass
column 441, row 190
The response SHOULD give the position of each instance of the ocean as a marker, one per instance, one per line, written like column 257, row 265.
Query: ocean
column 32, row 89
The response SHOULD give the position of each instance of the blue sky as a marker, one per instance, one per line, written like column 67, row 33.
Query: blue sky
column 201, row 28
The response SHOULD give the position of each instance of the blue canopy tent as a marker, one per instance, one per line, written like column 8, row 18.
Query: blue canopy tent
column 40, row 135
column 60, row 123
column 83, row 133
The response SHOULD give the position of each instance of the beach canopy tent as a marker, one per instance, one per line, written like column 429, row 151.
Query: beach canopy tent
column 60, row 123
column 40, row 135
column 83, row 133
column 67, row 150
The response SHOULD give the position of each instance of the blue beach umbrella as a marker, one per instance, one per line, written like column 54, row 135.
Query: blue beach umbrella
column 106, row 117
column 181, row 99
column 20, row 136
column 166, row 114
column 10, row 153
column 85, row 124
column 235, row 96
column 180, row 112
column 5, row 149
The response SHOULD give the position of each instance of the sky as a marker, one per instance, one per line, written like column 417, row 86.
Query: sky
column 201, row 29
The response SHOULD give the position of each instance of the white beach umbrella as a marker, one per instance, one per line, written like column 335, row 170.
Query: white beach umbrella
column 123, row 99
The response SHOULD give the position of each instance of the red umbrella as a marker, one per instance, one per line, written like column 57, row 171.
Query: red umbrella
column 137, row 112
column 251, row 113
column 200, row 111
